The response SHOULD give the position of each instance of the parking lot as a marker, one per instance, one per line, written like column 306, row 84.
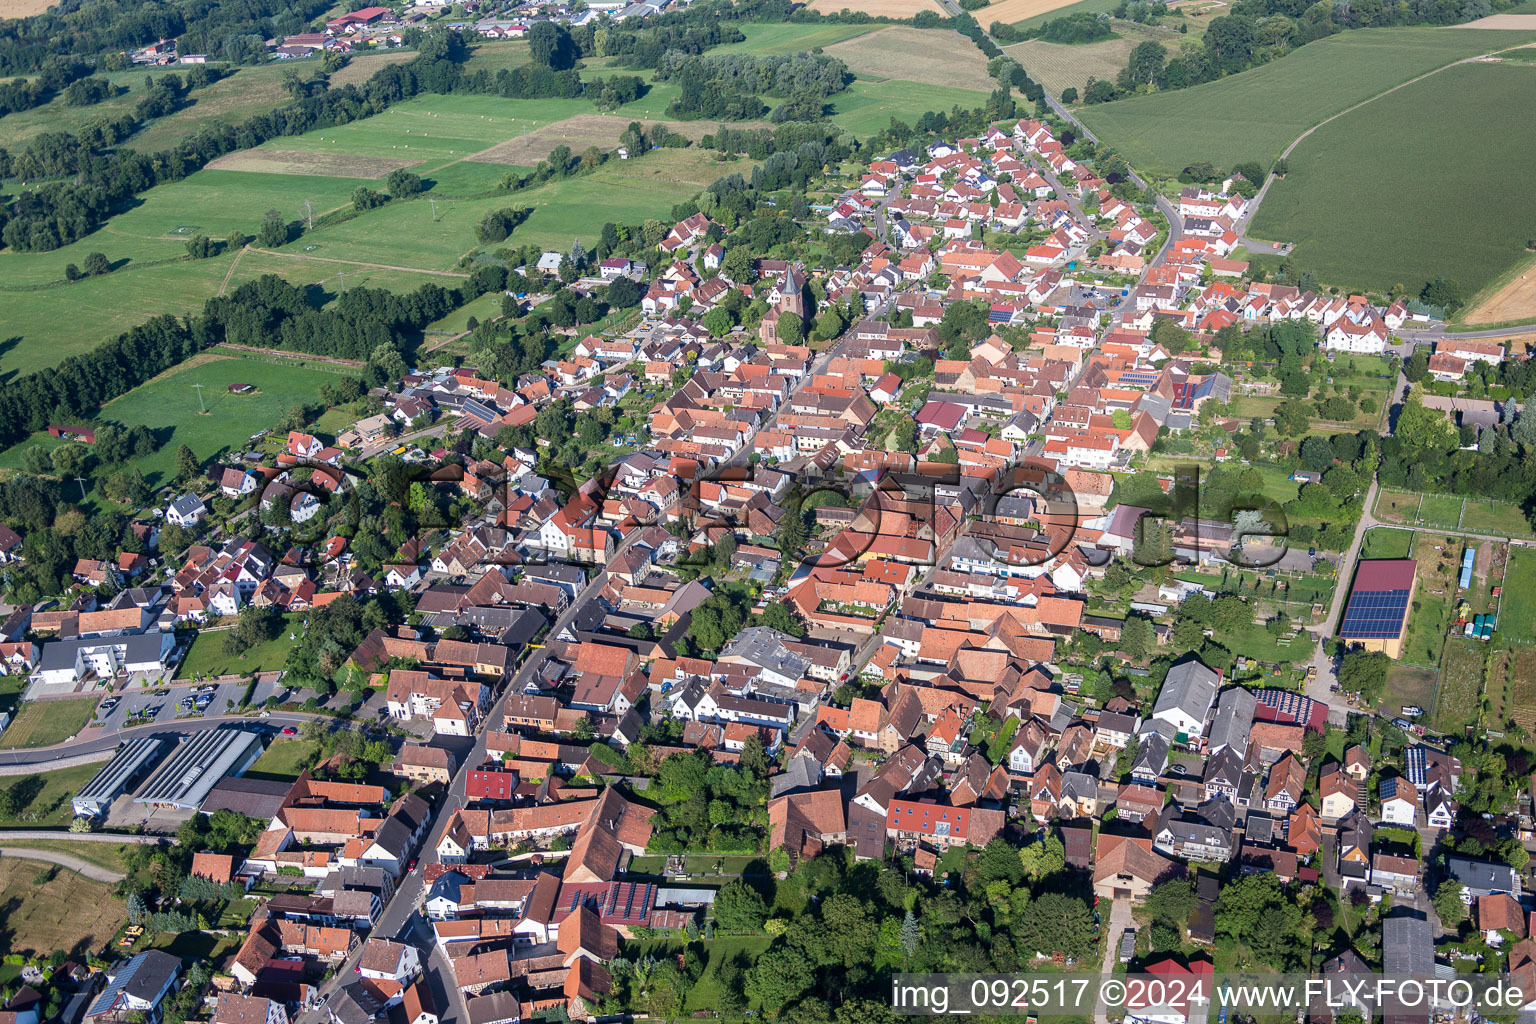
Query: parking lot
column 165, row 704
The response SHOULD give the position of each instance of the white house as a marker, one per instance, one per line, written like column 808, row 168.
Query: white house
column 1399, row 802
column 187, row 510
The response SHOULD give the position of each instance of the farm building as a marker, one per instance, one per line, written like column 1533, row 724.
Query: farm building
column 1377, row 613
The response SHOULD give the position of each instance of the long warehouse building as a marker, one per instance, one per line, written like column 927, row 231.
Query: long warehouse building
column 195, row 767
column 118, row 775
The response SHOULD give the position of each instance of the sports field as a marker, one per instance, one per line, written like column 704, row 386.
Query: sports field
column 1371, row 200
column 1256, row 114
column 169, row 403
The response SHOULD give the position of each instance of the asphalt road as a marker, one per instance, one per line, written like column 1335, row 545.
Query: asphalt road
column 401, row 915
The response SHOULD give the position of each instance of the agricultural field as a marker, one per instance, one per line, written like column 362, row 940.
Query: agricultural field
column 867, row 107
column 1461, row 686
column 1256, row 114
column 1060, row 65
column 169, row 403
column 578, row 132
column 493, row 55
column 879, row 8
column 242, row 93
column 1386, row 543
column 929, row 56
column 1012, row 12
column 987, row 15
column 790, row 37
column 42, row 723
column 1520, row 688
column 1511, row 298
column 1368, row 203
column 48, row 908
column 628, row 191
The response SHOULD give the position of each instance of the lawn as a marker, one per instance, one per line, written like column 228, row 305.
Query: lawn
column 1256, row 114
column 1461, row 686
column 1517, row 610
column 493, row 55
column 705, row 993
column 103, row 855
column 1383, row 542
column 206, row 656
column 1408, row 687
column 1440, row 511
column 1370, row 201
column 48, row 908
column 42, row 723
column 1397, row 506
column 1495, row 517
column 50, row 805
column 284, row 759
column 169, row 403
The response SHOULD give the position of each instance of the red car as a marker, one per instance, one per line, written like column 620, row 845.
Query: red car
column 289, row 730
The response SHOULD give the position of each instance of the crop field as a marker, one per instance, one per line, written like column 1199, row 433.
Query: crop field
column 1369, row 203
column 867, row 107
column 1461, row 685
column 65, row 911
column 435, row 130
column 1514, row 298
column 1520, row 688
column 1012, row 12
column 169, row 404
column 789, row 37
column 929, row 56
column 42, row 325
column 581, row 131
column 285, row 161
column 494, row 54
column 1256, row 114
column 878, row 8
column 1081, row 7
column 23, row 8
column 1059, row 65
column 244, row 92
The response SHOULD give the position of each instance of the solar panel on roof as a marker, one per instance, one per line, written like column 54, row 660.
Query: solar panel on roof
column 1375, row 615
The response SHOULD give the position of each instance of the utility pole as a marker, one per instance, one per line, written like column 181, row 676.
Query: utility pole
column 434, row 208
column 81, row 481
column 200, row 404
column 343, row 275
column 309, row 213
